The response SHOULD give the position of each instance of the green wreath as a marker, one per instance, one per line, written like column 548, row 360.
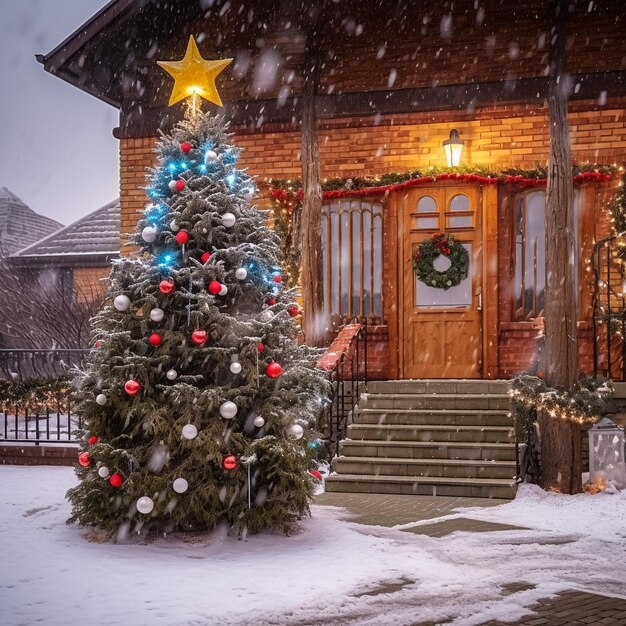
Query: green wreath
column 426, row 253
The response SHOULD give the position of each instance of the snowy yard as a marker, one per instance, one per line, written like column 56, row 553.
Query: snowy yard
column 51, row 574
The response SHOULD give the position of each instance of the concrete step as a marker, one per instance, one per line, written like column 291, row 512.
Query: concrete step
column 434, row 401
column 448, row 468
column 423, row 486
column 450, row 417
column 464, row 386
column 428, row 450
column 429, row 432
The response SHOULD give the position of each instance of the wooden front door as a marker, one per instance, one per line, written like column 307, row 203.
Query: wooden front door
column 441, row 329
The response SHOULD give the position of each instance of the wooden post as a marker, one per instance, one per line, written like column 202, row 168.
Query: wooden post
column 316, row 324
column 560, row 441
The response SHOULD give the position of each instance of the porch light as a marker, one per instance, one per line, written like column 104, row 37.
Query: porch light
column 606, row 455
column 453, row 148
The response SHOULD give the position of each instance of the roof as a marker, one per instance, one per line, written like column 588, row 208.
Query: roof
column 92, row 239
column 20, row 226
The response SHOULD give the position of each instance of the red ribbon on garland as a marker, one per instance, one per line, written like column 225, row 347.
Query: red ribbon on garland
column 284, row 196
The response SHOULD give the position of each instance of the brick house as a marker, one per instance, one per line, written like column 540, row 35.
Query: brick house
column 393, row 84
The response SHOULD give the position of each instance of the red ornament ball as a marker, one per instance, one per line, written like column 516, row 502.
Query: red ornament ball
column 84, row 459
column 271, row 301
column 273, row 370
column 199, row 336
column 98, row 345
column 260, row 347
column 180, row 185
column 294, row 311
column 230, row 462
column 215, row 287
column 278, row 278
column 93, row 439
column 182, row 237
column 116, row 480
column 185, row 147
column 205, row 257
column 167, row 286
column 132, row 387
column 316, row 474
column 155, row 339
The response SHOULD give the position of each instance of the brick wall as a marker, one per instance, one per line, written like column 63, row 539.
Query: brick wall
column 16, row 454
column 90, row 283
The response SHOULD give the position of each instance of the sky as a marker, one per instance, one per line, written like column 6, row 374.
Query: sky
column 57, row 151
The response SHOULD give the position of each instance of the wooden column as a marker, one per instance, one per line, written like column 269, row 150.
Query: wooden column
column 560, row 440
column 316, row 322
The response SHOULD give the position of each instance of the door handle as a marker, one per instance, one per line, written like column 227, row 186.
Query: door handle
column 480, row 301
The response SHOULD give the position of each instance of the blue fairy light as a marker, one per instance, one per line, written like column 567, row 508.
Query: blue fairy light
column 172, row 167
column 153, row 193
column 165, row 260
column 202, row 168
column 230, row 179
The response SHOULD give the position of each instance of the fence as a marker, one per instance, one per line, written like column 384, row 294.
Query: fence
column 36, row 403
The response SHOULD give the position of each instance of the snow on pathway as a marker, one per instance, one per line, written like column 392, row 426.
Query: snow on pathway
column 50, row 574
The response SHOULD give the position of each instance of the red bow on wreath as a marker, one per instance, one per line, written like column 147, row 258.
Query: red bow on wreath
column 442, row 243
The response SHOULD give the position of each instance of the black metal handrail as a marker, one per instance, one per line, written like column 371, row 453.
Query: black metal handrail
column 349, row 378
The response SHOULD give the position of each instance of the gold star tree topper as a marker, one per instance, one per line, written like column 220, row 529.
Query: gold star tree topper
column 194, row 76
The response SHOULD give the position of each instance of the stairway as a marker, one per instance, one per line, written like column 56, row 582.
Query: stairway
column 429, row 437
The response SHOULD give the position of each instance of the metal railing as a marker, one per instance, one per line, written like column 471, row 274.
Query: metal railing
column 36, row 405
column 609, row 310
column 349, row 378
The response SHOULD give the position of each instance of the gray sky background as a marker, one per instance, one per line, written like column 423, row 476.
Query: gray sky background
column 57, row 152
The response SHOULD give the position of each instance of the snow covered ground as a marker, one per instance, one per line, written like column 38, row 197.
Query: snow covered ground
column 50, row 574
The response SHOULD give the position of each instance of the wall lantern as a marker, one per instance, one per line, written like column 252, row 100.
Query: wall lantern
column 453, row 148
column 606, row 454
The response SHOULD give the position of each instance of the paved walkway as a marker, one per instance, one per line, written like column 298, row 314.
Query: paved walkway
column 570, row 608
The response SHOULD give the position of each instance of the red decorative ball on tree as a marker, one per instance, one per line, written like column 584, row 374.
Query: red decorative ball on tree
column 180, row 185
column 132, row 387
column 185, row 147
column 93, row 439
column 260, row 347
column 273, row 370
column 182, row 237
column 230, row 462
column 199, row 336
column 316, row 474
column 98, row 345
column 271, row 301
column 167, row 286
column 215, row 287
column 84, row 459
column 116, row 480
column 294, row 311
column 278, row 278
column 155, row 339
column 205, row 257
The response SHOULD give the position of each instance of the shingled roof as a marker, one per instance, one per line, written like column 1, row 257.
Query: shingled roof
column 20, row 226
column 93, row 239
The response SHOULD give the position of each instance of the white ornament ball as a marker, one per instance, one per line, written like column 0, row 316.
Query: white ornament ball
column 267, row 316
column 101, row 399
column 228, row 219
column 189, row 431
column 259, row 421
column 172, row 185
column 235, row 367
column 103, row 471
column 157, row 315
column 121, row 303
column 295, row 431
column 228, row 410
column 171, row 374
column 180, row 485
column 174, row 226
column 145, row 505
column 149, row 234
column 223, row 290
column 210, row 155
column 241, row 273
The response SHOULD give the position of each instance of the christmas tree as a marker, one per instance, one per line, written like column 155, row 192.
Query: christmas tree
column 200, row 407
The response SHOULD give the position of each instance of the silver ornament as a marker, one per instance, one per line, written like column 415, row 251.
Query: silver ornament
column 174, row 226
column 103, row 471
column 241, row 273
column 210, row 155
column 172, row 185
column 295, row 431
column 189, row 431
column 157, row 315
column 145, row 505
column 259, row 421
column 171, row 374
column 149, row 234
column 235, row 367
column 121, row 302
column 180, row 485
column 101, row 399
column 228, row 410
column 223, row 290
column 228, row 219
